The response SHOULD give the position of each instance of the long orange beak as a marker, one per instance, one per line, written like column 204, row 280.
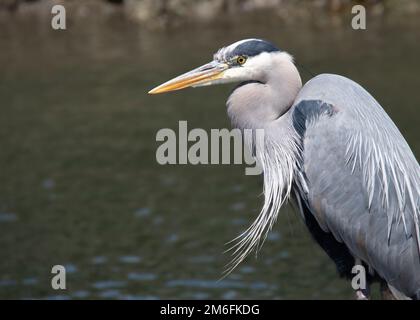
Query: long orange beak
column 204, row 75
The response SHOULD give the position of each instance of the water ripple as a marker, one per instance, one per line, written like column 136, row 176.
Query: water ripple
column 141, row 276
column 109, row 294
column 109, row 284
column 130, row 259
column 211, row 284
column 99, row 260
column 81, row 294
column 142, row 212
column 7, row 283
column 8, row 217
column 29, row 281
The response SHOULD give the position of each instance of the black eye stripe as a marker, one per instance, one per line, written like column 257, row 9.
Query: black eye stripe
column 254, row 47
column 249, row 48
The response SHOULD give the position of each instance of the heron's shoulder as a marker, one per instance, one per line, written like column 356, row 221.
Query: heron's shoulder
column 318, row 97
column 338, row 91
column 331, row 86
column 331, row 79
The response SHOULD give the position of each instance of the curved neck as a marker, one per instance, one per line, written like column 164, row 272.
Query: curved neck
column 255, row 104
column 263, row 104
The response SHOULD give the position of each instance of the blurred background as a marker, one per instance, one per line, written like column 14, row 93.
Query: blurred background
column 79, row 183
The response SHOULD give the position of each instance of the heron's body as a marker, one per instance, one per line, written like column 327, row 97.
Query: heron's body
column 332, row 147
column 357, row 190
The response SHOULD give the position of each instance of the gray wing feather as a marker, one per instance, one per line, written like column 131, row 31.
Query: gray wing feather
column 361, row 178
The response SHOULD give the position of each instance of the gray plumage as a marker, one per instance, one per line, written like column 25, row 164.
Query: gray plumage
column 360, row 178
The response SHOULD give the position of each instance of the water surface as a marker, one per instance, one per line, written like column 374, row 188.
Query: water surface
column 80, row 185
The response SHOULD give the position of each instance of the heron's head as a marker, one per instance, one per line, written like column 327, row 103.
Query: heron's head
column 245, row 60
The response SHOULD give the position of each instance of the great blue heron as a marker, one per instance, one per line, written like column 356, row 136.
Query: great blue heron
column 331, row 147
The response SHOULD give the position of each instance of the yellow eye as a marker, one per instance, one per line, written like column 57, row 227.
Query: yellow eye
column 241, row 59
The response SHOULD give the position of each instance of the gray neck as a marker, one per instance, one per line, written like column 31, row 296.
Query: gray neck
column 264, row 105
column 255, row 104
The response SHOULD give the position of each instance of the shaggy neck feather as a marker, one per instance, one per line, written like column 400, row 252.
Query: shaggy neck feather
column 264, row 105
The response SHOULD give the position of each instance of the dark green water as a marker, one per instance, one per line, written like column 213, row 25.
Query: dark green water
column 80, row 186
